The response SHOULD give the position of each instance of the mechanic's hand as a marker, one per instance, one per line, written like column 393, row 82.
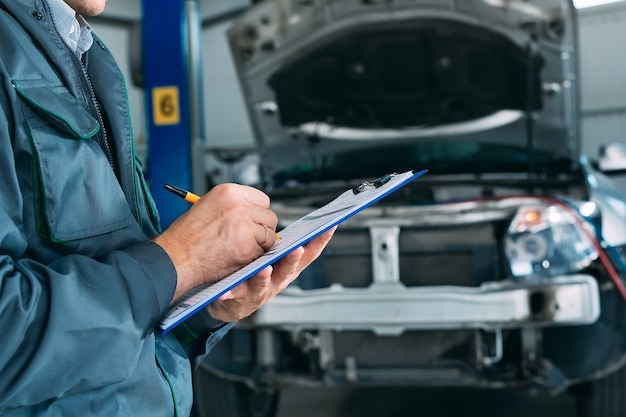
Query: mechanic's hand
column 247, row 297
column 228, row 228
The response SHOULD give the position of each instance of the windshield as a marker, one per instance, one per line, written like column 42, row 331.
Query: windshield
column 439, row 158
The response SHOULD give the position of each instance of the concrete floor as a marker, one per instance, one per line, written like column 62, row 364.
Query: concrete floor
column 398, row 402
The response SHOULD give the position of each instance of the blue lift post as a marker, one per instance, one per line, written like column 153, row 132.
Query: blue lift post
column 170, row 45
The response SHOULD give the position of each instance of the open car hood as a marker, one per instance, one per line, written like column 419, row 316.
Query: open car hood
column 464, row 84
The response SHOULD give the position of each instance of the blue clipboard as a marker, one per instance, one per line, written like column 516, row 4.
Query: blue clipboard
column 293, row 236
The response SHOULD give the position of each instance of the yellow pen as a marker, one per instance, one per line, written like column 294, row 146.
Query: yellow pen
column 184, row 194
column 188, row 196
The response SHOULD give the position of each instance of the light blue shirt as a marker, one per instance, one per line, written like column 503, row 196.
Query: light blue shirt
column 72, row 27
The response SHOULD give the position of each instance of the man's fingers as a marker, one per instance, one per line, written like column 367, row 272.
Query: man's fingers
column 256, row 197
column 289, row 264
column 226, row 296
column 267, row 237
column 264, row 235
column 244, row 299
column 254, row 285
column 265, row 273
column 315, row 247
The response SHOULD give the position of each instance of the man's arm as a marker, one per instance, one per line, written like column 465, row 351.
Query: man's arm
column 224, row 231
column 74, row 323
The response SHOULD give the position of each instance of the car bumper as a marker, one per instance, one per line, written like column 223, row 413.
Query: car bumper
column 392, row 308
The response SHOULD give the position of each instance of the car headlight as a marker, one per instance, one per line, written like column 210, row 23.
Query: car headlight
column 547, row 240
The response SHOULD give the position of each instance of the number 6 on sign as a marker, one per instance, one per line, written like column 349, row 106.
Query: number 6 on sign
column 165, row 106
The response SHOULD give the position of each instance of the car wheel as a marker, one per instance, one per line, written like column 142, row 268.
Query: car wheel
column 603, row 397
column 218, row 397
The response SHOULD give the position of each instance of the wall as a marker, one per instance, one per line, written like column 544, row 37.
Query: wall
column 226, row 118
column 602, row 31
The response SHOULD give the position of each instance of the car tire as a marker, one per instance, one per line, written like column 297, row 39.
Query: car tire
column 603, row 397
column 218, row 397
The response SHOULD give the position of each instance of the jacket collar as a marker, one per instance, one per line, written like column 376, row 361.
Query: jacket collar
column 71, row 27
column 36, row 18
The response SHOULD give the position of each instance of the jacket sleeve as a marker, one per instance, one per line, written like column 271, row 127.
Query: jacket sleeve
column 199, row 334
column 74, row 323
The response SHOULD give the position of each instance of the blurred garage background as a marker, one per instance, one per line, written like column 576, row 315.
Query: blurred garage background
column 602, row 30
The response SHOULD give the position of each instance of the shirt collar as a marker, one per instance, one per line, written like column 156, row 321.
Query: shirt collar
column 73, row 29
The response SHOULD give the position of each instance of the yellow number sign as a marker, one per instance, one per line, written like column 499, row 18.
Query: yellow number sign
column 165, row 106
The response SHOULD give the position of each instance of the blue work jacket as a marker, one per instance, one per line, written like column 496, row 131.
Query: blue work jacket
column 81, row 285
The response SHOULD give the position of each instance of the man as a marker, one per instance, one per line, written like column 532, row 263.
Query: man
column 85, row 275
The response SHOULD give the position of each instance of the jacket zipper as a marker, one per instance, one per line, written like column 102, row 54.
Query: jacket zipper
column 104, row 139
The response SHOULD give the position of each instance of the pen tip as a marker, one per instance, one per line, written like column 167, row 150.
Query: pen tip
column 176, row 190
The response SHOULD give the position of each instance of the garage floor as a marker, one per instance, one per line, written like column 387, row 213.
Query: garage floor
column 398, row 402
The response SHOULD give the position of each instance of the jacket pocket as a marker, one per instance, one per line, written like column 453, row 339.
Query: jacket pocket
column 145, row 197
column 76, row 193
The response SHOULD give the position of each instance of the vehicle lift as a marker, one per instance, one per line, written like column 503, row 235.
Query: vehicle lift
column 172, row 80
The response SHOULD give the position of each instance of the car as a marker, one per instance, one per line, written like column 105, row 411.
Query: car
column 502, row 267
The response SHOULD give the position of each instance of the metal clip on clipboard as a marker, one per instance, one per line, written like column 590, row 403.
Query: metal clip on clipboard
column 365, row 185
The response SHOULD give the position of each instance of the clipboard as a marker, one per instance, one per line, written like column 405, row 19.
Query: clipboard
column 308, row 227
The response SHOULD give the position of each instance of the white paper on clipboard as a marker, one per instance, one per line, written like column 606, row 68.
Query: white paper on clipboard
column 293, row 236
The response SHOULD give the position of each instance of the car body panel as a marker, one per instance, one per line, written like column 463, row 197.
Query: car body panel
column 332, row 76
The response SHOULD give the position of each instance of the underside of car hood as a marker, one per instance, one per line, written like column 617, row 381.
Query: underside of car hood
column 326, row 77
